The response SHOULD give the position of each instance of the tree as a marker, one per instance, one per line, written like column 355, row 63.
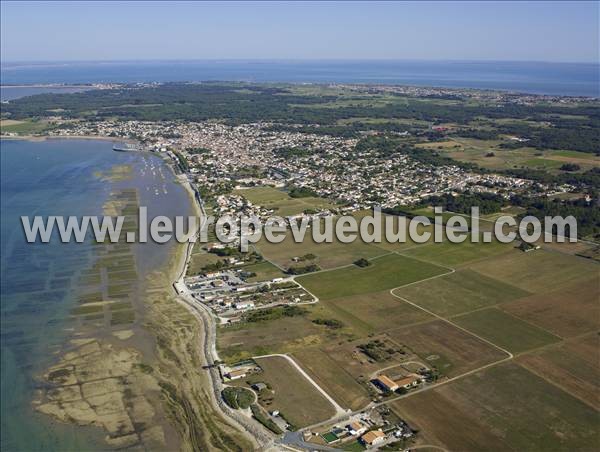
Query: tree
column 362, row 262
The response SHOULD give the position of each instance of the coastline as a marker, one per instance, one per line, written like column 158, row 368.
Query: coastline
column 38, row 138
column 161, row 364
column 260, row 437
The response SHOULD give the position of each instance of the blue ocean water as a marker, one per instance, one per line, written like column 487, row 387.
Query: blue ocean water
column 40, row 282
column 573, row 79
column 14, row 92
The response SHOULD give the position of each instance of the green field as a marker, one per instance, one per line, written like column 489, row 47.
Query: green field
column 262, row 195
column 476, row 151
column 505, row 330
column 283, row 335
column 265, row 271
column 24, row 127
column 456, row 254
column 281, row 203
column 376, row 311
column 459, row 292
column 201, row 259
column 385, row 272
column 328, row 255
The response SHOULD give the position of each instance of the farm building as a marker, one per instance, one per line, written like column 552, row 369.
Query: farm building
column 235, row 374
column 408, row 382
column 386, row 383
column 373, row 437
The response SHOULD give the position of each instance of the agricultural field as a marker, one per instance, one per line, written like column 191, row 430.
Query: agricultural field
column 446, row 347
column 567, row 312
column 505, row 330
column 293, row 395
column 386, row 272
column 462, row 291
column 505, row 408
column 572, row 366
column 458, row 254
column 537, row 271
column 328, row 374
column 488, row 154
column 376, row 311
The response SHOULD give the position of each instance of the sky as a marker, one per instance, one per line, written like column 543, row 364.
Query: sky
column 517, row 31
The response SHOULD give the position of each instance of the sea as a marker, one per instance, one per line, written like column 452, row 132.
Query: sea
column 41, row 283
column 562, row 79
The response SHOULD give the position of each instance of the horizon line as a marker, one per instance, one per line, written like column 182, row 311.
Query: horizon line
column 269, row 59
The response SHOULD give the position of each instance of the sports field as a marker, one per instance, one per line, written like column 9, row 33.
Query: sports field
column 385, row 272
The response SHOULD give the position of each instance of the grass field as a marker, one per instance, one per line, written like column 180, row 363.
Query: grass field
column 328, row 255
column 376, row 311
column 262, row 195
column 459, row 292
column 567, row 312
column 281, row 202
column 505, row 408
column 293, row 395
column 450, row 349
column 384, row 273
column 328, row 374
column 505, row 330
column 457, row 254
column 283, row 335
column 265, row 271
column 201, row 259
column 538, row 271
column 23, row 127
column 478, row 151
column 572, row 366
column 348, row 356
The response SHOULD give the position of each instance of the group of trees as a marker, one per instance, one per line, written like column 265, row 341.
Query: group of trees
column 587, row 213
column 274, row 313
column 487, row 202
column 302, row 192
column 301, row 270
